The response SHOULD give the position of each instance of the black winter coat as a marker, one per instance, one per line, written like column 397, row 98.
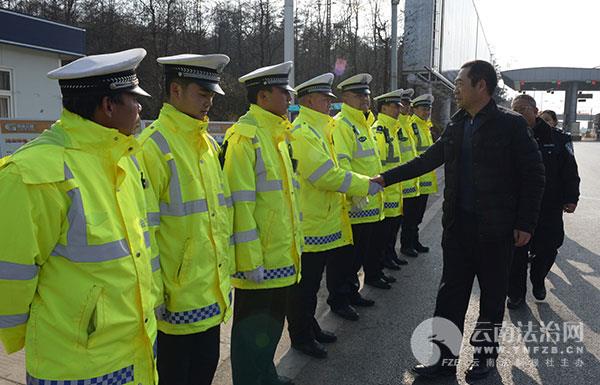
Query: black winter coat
column 562, row 177
column 508, row 173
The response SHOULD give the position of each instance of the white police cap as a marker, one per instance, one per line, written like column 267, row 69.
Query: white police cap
column 390, row 97
column 319, row 84
column 407, row 94
column 425, row 100
column 203, row 69
column 275, row 75
column 101, row 74
column 358, row 84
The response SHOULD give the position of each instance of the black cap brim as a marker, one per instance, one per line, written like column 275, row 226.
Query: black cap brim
column 361, row 91
column 211, row 86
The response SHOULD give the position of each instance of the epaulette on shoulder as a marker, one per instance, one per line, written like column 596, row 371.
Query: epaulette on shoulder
column 41, row 160
column 565, row 137
column 241, row 129
column 148, row 131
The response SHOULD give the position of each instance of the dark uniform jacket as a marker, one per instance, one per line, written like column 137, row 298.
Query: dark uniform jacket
column 562, row 177
column 507, row 170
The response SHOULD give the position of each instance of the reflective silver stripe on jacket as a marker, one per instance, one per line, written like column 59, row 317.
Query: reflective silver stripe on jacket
column 135, row 162
column 346, row 183
column 405, row 149
column 243, row 196
column 321, row 170
column 315, row 132
column 191, row 316
column 9, row 321
column 176, row 206
column 360, row 151
column 281, row 272
column 119, row 377
column 155, row 263
column 17, row 271
column 153, row 219
column 245, row 236
column 262, row 184
column 77, row 248
column 224, row 201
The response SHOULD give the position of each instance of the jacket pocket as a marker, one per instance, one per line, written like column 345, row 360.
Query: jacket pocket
column 186, row 261
column 90, row 320
column 265, row 232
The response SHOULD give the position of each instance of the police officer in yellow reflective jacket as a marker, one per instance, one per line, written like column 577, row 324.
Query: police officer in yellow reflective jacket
column 75, row 272
column 357, row 152
column 325, row 221
column 414, row 209
column 191, row 218
column 388, row 135
column 410, row 188
column 267, row 232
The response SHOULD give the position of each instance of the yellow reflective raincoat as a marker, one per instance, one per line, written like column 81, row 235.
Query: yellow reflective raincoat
column 191, row 218
column 75, row 271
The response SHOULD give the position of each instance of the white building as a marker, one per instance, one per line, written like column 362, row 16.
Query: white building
column 30, row 47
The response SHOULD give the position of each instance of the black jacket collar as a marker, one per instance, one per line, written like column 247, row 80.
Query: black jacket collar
column 487, row 112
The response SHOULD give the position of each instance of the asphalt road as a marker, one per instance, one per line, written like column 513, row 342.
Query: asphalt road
column 376, row 350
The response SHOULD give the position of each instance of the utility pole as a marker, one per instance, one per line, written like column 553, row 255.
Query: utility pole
column 394, row 53
column 288, row 36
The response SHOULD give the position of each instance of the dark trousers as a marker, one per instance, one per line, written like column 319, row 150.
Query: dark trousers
column 392, row 226
column 340, row 268
column 414, row 209
column 369, row 245
column 543, row 246
column 258, row 319
column 188, row 359
column 466, row 256
column 302, row 299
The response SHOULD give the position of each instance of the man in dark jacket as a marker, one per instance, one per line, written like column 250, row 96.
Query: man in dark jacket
column 561, row 194
column 494, row 179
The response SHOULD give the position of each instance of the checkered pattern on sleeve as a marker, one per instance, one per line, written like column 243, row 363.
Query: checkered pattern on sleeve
column 119, row 377
column 323, row 240
column 191, row 316
column 281, row 272
column 363, row 213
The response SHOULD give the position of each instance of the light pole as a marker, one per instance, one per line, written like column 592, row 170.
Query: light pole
column 288, row 36
column 394, row 54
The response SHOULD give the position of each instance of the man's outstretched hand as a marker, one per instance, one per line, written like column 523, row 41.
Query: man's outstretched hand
column 379, row 180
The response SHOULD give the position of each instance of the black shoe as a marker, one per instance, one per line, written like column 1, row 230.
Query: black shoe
column 312, row 348
column 515, row 303
column 399, row 261
column 409, row 252
column 479, row 369
column 279, row 380
column 539, row 292
column 420, row 248
column 388, row 278
column 347, row 312
column 434, row 371
column 325, row 337
column 360, row 301
column 389, row 264
column 378, row 283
